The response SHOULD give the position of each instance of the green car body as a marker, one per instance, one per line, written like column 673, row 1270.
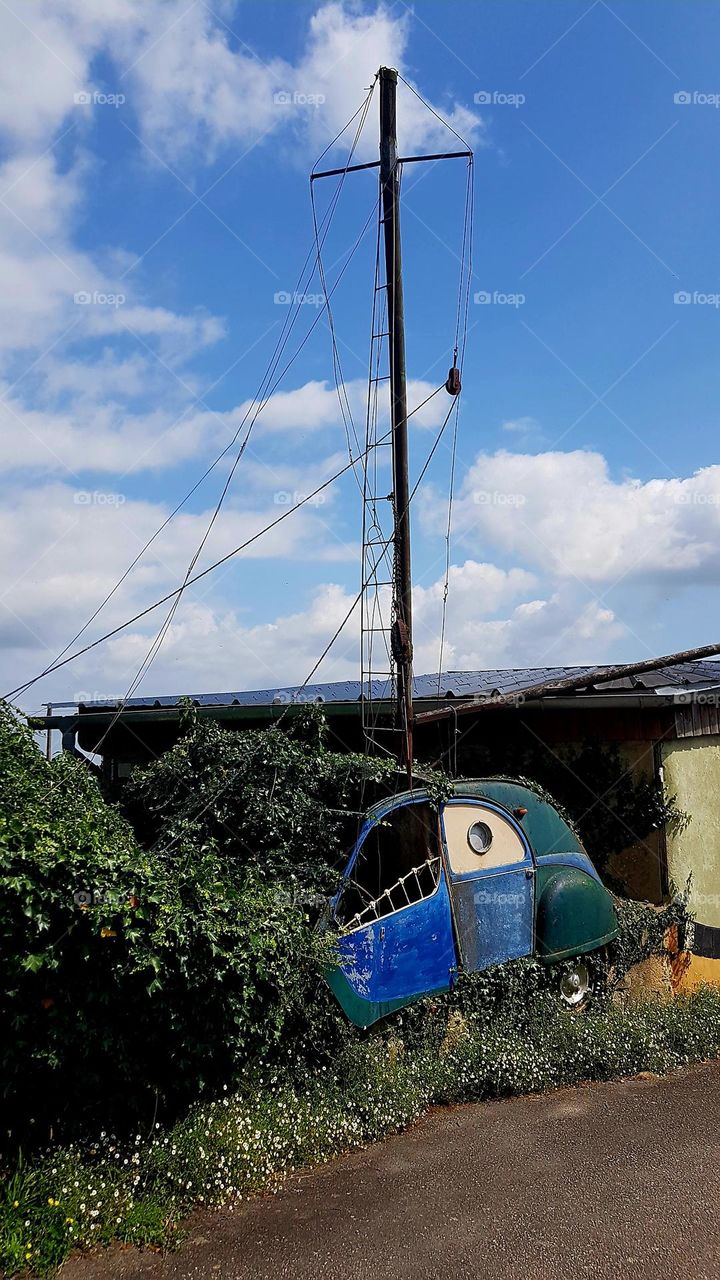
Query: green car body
column 496, row 875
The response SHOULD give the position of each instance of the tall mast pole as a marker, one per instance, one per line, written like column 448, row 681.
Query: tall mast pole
column 402, row 588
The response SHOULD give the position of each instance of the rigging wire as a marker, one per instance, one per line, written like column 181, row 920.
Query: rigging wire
column 339, row 379
column 373, row 447
column 433, row 112
column 203, row 573
column 167, row 622
column 290, row 319
column 358, row 599
column 265, row 391
column 370, row 725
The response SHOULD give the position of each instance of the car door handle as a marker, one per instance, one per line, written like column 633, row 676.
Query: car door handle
column 529, row 873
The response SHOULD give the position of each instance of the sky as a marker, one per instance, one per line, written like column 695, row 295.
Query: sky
column 154, row 220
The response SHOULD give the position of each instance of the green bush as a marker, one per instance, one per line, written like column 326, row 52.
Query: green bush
column 274, row 800
column 136, row 980
column 146, row 965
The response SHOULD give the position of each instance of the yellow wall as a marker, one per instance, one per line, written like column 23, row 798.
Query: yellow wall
column 691, row 769
column 697, row 972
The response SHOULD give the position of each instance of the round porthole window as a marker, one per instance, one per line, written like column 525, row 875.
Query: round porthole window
column 479, row 837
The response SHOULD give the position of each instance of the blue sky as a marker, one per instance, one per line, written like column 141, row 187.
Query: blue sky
column 146, row 165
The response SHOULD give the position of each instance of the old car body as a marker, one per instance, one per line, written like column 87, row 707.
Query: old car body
column 494, row 875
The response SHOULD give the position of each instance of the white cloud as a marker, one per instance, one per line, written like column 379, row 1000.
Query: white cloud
column 315, row 405
column 78, row 417
column 344, row 51
column 56, row 294
column 197, row 85
column 564, row 513
column 212, row 648
column 192, row 80
column 526, row 430
column 62, row 550
column 95, row 434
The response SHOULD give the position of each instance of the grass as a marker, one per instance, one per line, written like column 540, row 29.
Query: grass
column 139, row 1189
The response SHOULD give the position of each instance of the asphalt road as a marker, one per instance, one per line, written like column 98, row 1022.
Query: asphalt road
column 611, row 1180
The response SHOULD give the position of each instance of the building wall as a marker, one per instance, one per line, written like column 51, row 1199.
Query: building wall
column 691, row 768
column 692, row 773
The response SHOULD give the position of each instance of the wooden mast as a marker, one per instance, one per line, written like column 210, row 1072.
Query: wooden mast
column 401, row 636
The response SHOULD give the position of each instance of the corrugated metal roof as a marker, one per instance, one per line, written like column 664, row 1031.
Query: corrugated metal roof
column 452, row 684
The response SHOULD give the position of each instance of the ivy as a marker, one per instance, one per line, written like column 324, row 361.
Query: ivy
column 157, row 948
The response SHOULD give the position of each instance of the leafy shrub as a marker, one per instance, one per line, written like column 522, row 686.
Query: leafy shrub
column 143, row 969
column 273, row 800
column 644, row 928
column 135, row 980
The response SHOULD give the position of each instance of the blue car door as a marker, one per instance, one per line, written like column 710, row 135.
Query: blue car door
column 396, row 941
column 492, row 878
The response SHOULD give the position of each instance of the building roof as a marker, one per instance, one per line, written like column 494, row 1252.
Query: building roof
column 669, row 681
